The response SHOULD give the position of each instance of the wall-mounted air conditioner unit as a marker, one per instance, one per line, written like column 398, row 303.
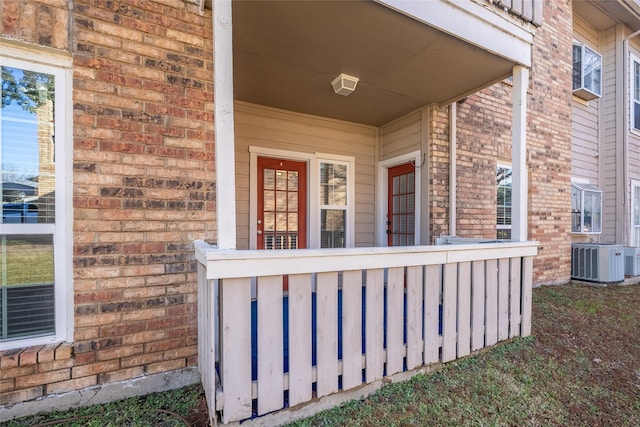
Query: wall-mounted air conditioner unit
column 632, row 261
column 602, row 263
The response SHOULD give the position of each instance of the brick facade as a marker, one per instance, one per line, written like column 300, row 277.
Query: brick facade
column 143, row 188
column 484, row 139
column 143, row 172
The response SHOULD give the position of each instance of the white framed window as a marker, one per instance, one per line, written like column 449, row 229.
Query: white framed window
column 587, row 72
column 635, row 213
column 586, row 208
column 36, row 289
column 635, row 96
column 503, row 201
column 333, row 196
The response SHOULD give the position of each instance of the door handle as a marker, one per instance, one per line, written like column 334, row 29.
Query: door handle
column 259, row 232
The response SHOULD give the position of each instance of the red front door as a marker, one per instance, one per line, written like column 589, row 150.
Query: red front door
column 401, row 213
column 282, row 200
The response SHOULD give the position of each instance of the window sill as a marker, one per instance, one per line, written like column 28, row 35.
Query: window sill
column 33, row 355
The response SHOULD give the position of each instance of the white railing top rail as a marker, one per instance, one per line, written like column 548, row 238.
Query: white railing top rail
column 222, row 264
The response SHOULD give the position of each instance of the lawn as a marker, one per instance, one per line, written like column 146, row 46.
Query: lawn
column 581, row 367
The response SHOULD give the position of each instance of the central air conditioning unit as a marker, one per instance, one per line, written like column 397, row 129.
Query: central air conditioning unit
column 632, row 261
column 601, row 262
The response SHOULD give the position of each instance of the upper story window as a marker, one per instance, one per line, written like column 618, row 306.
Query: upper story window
column 635, row 109
column 587, row 72
column 503, row 214
column 586, row 209
column 34, row 281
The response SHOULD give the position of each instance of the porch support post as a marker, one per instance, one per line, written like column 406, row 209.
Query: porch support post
column 519, row 190
column 223, row 125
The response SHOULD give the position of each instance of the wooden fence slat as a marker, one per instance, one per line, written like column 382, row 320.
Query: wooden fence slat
column 503, row 299
column 527, row 284
column 270, row 344
column 235, row 295
column 327, row 333
column 395, row 320
column 206, row 336
column 492, row 302
column 374, row 332
column 514, row 297
column 449, row 311
column 464, row 309
column 414, row 317
column 432, row 281
column 351, row 329
column 300, row 360
column 477, row 305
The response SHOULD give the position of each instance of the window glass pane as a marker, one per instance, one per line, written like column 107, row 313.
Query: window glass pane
column 269, row 221
column 592, row 70
column 281, row 201
column 27, row 146
column 596, row 222
column 26, row 291
column 269, row 200
column 503, row 201
column 576, row 209
column 636, row 81
column 292, row 180
column 281, row 222
column 577, row 66
column 269, row 179
column 333, row 184
column 332, row 228
column 281, row 180
column 293, row 202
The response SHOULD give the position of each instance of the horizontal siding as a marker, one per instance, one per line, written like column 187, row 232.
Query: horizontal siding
column 611, row 133
column 584, row 118
column 266, row 127
column 401, row 136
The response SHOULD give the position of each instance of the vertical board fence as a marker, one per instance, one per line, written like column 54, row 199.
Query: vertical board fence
column 348, row 317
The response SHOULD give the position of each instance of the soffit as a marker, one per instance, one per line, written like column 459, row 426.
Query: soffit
column 287, row 53
column 603, row 14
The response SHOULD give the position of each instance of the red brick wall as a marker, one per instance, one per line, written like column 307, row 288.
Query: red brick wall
column 143, row 184
column 45, row 23
column 143, row 188
column 549, row 145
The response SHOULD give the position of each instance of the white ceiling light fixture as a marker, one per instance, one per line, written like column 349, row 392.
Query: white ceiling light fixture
column 344, row 84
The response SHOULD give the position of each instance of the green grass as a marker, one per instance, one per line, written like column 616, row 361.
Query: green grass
column 175, row 408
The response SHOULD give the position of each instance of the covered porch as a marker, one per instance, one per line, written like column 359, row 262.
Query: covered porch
column 337, row 308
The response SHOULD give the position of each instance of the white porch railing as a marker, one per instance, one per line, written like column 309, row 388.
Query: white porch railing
column 348, row 317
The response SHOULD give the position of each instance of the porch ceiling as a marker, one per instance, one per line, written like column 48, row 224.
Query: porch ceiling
column 286, row 53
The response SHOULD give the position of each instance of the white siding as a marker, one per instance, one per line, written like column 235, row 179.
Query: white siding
column 633, row 148
column 610, row 134
column 266, row 127
column 401, row 136
column 584, row 158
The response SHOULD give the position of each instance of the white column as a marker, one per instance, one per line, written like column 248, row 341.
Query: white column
column 520, row 183
column 223, row 125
